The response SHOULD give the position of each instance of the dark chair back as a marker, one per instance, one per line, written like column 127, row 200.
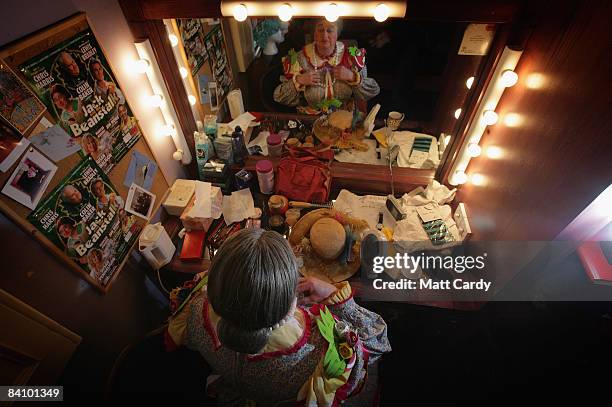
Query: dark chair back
column 145, row 371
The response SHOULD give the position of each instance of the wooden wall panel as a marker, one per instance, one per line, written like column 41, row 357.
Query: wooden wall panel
column 560, row 157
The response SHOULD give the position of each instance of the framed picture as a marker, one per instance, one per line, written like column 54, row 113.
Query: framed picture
column 18, row 105
column 12, row 145
column 139, row 202
column 30, row 179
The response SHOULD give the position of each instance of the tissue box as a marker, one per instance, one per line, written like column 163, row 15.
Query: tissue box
column 180, row 194
column 196, row 223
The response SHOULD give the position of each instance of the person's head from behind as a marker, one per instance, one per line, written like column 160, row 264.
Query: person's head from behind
column 325, row 35
column 252, row 286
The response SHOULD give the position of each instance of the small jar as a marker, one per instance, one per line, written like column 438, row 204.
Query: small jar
column 275, row 147
column 278, row 205
column 292, row 216
column 265, row 176
column 277, row 224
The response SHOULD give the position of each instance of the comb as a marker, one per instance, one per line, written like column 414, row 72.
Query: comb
column 302, row 205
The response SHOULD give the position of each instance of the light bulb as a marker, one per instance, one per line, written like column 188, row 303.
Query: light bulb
column 183, row 71
column 473, row 149
column 331, row 12
column 447, row 140
column 457, row 113
column 192, row 100
column 178, row 155
column 168, row 130
column 459, row 178
column 509, row 78
column 381, row 12
column 489, row 117
column 141, row 66
column 240, row 12
column 156, row 100
column 469, row 82
column 173, row 40
column 477, row 179
column 285, row 12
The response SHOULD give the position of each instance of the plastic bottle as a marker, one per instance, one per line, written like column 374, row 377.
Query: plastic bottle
column 203, row 151
column 275, row 146
column 265, row 176
column 239, row 149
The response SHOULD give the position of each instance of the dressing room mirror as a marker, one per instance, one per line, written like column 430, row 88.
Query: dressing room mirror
column 419, row 66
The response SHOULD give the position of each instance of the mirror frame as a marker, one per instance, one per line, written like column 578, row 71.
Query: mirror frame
column 145, row 19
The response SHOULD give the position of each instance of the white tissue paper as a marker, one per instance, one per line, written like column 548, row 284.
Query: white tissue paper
column 208, row 201
column 238, row 206
column 434, row 192
column 414, row 159
column 409, row 233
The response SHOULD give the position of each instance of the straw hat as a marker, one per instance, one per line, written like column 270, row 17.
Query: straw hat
column 319, row 238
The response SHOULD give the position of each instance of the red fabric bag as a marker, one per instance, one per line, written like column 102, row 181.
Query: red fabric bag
column 304, row 174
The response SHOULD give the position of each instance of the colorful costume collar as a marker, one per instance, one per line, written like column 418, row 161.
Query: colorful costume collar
column 317, row 61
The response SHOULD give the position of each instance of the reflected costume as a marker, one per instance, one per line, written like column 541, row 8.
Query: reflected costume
column 313, row 99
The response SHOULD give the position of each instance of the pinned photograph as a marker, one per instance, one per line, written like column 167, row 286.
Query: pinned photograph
column 30, row 179
column 141, row 171
column 140, row 202
column 12, row 145
column 18, row 104
column 212, row 94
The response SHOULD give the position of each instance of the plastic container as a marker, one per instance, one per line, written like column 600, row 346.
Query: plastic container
column 275, row 148
column 265, row 176
column 239, row 150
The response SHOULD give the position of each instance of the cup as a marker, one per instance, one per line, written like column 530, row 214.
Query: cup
column 394, row 120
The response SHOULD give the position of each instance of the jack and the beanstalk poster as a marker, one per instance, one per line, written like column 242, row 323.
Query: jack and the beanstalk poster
column 85, row 217
column 75, row 82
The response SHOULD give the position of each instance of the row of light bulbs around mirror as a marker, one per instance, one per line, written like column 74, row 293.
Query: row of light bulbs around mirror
column 509, row 78
column 331, row 12
column 141, row 66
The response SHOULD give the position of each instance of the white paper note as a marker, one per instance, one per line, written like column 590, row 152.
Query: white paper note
column 238, row 206
column 244, row 120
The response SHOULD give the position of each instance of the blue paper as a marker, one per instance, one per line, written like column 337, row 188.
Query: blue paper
column 141, row 171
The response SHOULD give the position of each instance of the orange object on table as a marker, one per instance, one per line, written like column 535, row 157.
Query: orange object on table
column 193, row 245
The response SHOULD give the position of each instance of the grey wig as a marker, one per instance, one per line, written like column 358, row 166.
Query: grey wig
column 251, row 286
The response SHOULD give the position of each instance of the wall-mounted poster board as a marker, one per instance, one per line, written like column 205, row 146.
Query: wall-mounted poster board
column 204, row 51
column 67, row 187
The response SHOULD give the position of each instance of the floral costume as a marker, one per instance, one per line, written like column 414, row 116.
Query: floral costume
column 308, row 99
column 293, row 366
